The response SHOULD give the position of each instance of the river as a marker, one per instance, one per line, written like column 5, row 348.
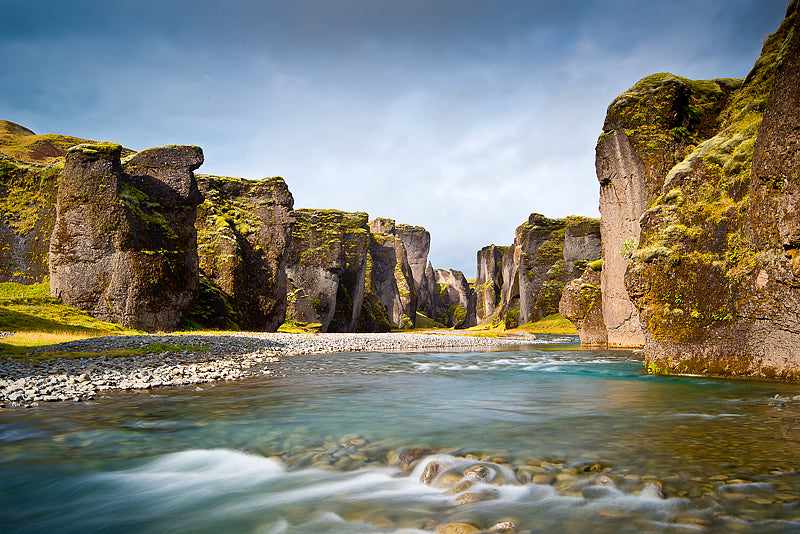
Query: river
column 567, row 440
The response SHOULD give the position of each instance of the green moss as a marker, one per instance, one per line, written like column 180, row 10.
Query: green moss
column 98, row 150
column 596, row 265
column 149, row 212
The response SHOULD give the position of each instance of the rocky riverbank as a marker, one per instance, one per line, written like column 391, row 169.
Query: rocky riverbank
column 179, row 360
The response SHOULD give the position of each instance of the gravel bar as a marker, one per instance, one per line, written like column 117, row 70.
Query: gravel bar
column 211, row 357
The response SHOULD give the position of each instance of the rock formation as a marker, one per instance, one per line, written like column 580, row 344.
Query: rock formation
column 389, row 274
column 327, row 265
column 244, row 229
column 646, row 132
column 123, row 246
column 581, row 302
column 452, row 298
column 524, row 282
column 714, row 276
column 30, row 166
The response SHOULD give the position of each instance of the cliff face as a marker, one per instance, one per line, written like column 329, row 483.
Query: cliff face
column 30, row 166
column 524, row 282
column 244, row 228
column 326, row 267
column 389, row 275
column 648, row 129
column 714, row 276
column 124, row 244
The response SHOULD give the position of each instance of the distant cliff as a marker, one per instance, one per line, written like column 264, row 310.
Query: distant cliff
column 699, row 205
column 524, row 282
column 243, row 231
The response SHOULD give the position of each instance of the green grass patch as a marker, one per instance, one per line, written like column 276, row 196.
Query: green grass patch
column 554, row 324
column 22, row 352
column 37, row 319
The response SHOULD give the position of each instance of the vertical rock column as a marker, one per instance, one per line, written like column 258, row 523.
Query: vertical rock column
column 124, row 243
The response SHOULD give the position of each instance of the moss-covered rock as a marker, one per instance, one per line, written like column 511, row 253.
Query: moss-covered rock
column 327, row 260
column 30, row 166
column 524, row 282
column 713, row 274
column 243, row 234
column 389, row 276
column 582, row 303
column 123, row 246
column 648, row 130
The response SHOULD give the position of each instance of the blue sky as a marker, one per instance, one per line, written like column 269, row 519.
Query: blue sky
column 462, row 116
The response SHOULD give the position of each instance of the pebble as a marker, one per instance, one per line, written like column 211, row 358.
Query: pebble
column 222, row 357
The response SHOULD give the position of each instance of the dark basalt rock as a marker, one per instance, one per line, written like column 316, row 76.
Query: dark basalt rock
column 244, row 231
column 124, row 243
column 326, row 266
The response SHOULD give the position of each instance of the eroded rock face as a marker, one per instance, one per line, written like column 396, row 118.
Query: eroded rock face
column 244, row 231
column 489, row 281
column 646, row 132
column 327, row 265
column 452, row 298
column 124, row 242
column 30, row 167
column 389, row 274
column 715, row 276
column 417, row 243
column 523, row 283
column 581, row 303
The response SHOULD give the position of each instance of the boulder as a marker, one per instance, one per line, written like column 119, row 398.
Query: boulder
column 244, row 230
column 327, row 267
column 123, row 246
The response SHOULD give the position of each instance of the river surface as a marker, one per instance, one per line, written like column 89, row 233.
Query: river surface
column 571, row 441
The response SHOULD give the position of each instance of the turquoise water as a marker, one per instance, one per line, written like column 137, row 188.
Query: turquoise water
column 315, row 447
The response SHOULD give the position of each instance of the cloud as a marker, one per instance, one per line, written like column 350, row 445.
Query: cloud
column 463, row 116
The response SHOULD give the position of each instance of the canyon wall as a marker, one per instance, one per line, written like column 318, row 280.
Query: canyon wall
column 713, row 275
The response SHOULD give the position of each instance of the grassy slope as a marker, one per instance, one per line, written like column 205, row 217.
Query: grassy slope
column 37, row 319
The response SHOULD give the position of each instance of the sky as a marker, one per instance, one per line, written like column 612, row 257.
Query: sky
column 462, row 116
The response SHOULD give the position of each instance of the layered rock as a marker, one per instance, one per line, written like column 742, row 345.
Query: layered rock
column 715, row 276
column 244, row 230
column 646, row 132
column 326, row 268
column 123, row 246
column 582, row 303
column 389, row 275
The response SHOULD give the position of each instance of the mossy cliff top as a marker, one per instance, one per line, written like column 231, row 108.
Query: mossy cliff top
column 326, row 237
column 22, row 146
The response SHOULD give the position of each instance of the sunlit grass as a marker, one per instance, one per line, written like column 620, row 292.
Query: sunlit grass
column 552, row 324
